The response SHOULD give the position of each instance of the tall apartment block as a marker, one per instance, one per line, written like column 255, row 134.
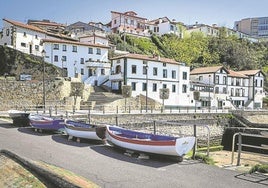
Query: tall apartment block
column 255, row 27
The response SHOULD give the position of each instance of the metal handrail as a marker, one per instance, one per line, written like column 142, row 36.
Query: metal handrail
column 240, row 144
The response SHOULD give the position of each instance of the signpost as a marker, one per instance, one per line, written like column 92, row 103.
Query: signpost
column 164, row 94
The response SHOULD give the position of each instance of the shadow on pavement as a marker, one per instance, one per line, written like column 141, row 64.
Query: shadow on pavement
column 63, row 139
column 120, row 154
column 255, row 177
column 30, row 130
column 7, row 125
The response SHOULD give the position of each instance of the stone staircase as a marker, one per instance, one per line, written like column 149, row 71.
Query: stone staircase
column 100, row 96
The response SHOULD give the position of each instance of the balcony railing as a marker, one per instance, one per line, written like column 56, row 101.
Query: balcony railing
column 116, row 77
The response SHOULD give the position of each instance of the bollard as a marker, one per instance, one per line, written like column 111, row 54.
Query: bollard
column 116, row 120
column 56, row 110
column 239, row 148
column 154, row 128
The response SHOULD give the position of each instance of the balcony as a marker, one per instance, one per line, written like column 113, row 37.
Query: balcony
column 116, row 77
column 97, row 64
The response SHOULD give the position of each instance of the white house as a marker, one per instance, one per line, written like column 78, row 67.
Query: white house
column 22, row 37
column 148, row 74
column 89, row 60
column 255, row 87
column 128, row 22
column 163, row 25
column 224, row 88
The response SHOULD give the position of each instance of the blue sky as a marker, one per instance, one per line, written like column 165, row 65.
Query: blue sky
column 221, row 12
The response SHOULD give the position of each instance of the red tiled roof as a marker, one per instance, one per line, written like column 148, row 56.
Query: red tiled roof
column 73, row 42
column 147, row 58
column 128, row 15
column 46, row 23
column 25, row 26
column 249, row 72
column 206, row 70
column 236, row 74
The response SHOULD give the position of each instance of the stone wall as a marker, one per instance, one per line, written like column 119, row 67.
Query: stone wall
column 29, row 94
column 170, row 124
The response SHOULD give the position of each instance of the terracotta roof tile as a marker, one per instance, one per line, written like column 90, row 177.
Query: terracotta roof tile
column 236, row 74
column 206, row 70
column 25, row 26
column 249, row 72
column 73, row 42
column 147, row 58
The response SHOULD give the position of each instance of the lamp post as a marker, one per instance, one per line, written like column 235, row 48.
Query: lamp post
column 62, row 66
column 44, row 89
column 146, row 100
column 209, row 92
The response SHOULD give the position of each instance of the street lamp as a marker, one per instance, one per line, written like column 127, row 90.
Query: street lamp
column 62, row 66
column 209, row 92
column 146, row 100
column 75, row 68
column 44, row 89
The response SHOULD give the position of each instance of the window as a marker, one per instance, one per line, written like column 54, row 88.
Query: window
column 224, row 80
column 232, row 81
column 256, row 83
column 64, row 58
column 74, row 48
column 164, row 86
column 155, row 71
column 114, row 21
column 217, row 79
column 98, row 51
column 261, row 84
column 23, row 44
column 131, row 22
column 237, row 92
column 184, row 75
column 7, row 32
column 36, row 47
column 224, row 90
column 154, row 87
column 82, row 60
column 164, row 73
column 200, row 78
column 133, row 86
column 102, row 72
column 174, row 74
column 232, row 91
column 56, row 58
column 237, row 81
column 216, row 89
column 144, row 70
column 82, row 71
column 24, row 34
column 156, row 29
column 184, row 88
column 243, row 92
column 134, row 69
column 36, row 37
column 64, row 48
column 144, row 86
column 56, row 46
column 90, row 50
column 164, row 64
column 173, row 88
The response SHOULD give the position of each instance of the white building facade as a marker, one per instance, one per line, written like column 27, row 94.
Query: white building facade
column 224, row 88
column 22, row 37
column 89, row 60
column 147, row 75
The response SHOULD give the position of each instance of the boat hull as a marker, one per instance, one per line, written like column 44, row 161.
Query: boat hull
column 170, row 147
column 19, row 118
column 83, row 130
column 46, row 123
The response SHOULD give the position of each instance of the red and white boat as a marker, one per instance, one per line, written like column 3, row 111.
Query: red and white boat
column 149, row 143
